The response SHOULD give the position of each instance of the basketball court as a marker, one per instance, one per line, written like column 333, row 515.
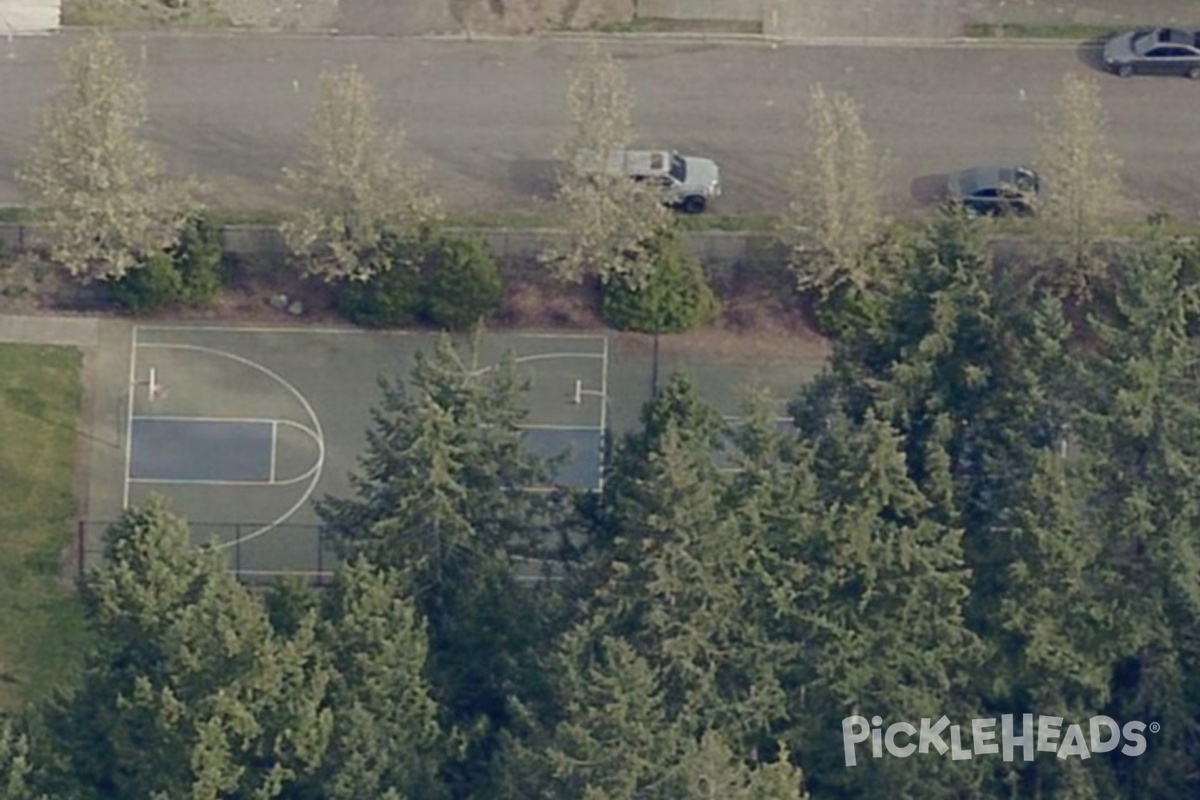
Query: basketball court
column 244, row 429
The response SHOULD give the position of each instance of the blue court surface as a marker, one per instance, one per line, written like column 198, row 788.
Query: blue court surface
column 580, row 451
column 202, row 450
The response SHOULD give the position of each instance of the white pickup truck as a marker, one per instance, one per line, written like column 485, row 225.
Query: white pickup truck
column 688, row 182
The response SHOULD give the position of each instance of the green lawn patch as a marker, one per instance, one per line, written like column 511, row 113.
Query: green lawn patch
column 516, row 220
column 745, row 223
column 1020, row 30
column 529, row 220
column 635, row 25
column 523, row 220
column 42, row 632
column 1163, row 227
column 526, row 220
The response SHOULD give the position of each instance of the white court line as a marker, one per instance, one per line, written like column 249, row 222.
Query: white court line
column 176, row 418
column 603, row 414
column 270, row 329
column 320, row 433
column 531, row 427
column 591, row 337
column 205, row 482
column 233, row 420
column 274, row 423
column 475, row 373
column 547, row 356
column 355, row 332
column 218, row 482
column 131, row 388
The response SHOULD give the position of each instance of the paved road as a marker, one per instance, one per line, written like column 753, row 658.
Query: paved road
column 487, row 114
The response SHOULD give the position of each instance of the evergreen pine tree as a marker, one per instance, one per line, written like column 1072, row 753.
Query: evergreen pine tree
column 386, row 741
column 442, row 497
column 16, row 765
column 681, row 573
column 1139, row 440
column 188, row 694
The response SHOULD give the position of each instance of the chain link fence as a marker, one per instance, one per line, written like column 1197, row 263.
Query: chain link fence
column 256, row 552
column 260, row 553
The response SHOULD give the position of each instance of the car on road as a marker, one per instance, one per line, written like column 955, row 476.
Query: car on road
column 688, row 183
column 1154, row 51
column 995, row 191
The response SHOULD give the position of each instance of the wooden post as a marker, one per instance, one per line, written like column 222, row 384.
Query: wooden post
column 81, row 546
column 320, row 556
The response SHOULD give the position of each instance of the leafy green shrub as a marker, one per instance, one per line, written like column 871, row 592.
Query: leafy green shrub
column 461, row 283
column 392, row 297
column 198, row 259
column 845, row 311
column 447, row 281
column 675, row 298
column 190, row 274
column 151, row 287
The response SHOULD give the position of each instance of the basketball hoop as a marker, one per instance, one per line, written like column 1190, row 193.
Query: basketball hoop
column 154, row 389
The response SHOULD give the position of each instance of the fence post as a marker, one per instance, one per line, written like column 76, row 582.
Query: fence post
column 237, row 550
column 654, row 373
column 80, row 545
column 320, row 556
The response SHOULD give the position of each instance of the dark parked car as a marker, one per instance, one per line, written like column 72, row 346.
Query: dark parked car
column 995, row 191
column 1157, row 51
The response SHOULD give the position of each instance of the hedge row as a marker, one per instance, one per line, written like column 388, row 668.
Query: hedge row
column 451, row 282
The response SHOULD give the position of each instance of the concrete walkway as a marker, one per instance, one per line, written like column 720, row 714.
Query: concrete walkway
column 865, row 19
column 65, row 331
column 104, row 344
column 796, row 20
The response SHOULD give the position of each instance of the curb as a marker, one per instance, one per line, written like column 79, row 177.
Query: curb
column 964, row 42
column 639, row 38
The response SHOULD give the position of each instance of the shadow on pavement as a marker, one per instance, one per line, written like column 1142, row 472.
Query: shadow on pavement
column 930, row 190
column 534, row 177
column 1091, row 55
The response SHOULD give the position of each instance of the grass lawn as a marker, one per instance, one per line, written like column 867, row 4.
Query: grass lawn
column 41, row 625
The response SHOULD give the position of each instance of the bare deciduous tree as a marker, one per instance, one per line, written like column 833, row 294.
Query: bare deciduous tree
column 107, row 203
column 1082, row 177
column 355, row 186
column 836, row 216
column 610, row 218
